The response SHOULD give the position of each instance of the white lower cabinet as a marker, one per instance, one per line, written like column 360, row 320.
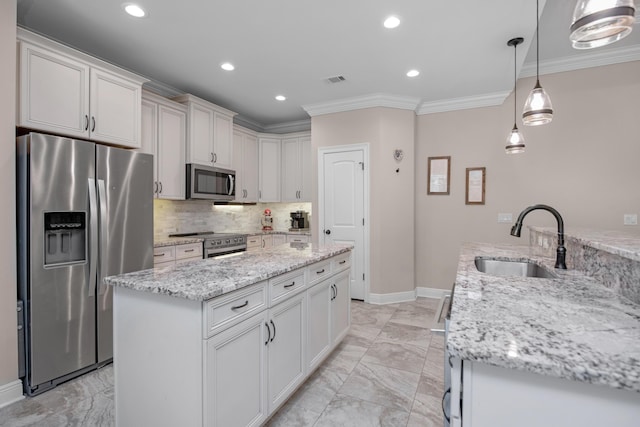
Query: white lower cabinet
column 285, row 351
column 235, row 373
column 500, row 397
column 229, row 361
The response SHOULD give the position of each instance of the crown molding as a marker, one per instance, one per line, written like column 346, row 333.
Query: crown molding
column 289, row 127
column 464, row 103
column 360, row 102
column 584, row 60
column 162, row 89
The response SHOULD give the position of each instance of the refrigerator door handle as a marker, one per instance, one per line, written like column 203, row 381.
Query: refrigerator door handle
column 93, row 236
column 104, row 238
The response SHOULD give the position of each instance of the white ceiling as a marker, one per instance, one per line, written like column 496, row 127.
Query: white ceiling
column 290, row 47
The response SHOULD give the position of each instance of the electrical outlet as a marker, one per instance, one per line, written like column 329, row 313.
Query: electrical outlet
column 630, row 219
column 505, row 218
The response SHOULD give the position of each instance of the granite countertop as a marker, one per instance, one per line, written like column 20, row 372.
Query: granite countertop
column 260, row 231
column 570, row 327
column 170, row 241
column 208, row 278
column 626, row 244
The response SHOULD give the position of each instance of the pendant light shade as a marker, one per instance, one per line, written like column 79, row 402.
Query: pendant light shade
column 537, row 109
column 515, row 140
column 601, row 22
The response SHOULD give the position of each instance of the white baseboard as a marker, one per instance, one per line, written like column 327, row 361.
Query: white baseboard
column 422, row 292
column 10, row 393
column 392, row 298
column 431, row 292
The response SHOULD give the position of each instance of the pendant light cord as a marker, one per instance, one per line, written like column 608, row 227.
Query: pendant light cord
column 537, row 42
column 515, row 81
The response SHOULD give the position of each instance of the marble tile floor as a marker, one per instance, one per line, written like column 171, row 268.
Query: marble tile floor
column 387, row 372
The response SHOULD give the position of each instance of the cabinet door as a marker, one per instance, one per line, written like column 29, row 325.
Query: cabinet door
column 267, row 241
column 269, row 170
column 149, row 137
column 250, row 168
column 223, row 142
column 340, row 306
column 238, row 165
column 318, row 323
column 279, row 239
column 115, row 109
column 235, row 375
column 171, row 147
column 286, row 349
column 290, row 170
column 305, row 169
column 200, row 145
column 54, row 92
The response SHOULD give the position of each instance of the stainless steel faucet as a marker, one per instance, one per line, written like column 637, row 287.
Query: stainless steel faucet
column 561, row 251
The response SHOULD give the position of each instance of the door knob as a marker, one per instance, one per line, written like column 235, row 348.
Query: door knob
column 327, row 232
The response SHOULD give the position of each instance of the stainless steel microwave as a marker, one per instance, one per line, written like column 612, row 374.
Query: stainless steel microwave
column 206, row 182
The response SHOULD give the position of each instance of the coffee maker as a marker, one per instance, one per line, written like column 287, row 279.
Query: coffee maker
column 299, row 221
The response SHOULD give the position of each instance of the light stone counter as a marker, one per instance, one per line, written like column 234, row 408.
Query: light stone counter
column 171, row 241
column 571, row 327
column 208, row 278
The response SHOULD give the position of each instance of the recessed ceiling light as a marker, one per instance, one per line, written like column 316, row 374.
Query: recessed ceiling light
column 227, row 66
column 413, row 73
column 134, row 10
column 281, row 97
column 391, row 22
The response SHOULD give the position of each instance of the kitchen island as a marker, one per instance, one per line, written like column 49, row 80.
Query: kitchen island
column 225, row 342
column 541, row 351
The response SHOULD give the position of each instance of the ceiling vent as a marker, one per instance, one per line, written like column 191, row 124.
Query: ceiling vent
column 335, row 79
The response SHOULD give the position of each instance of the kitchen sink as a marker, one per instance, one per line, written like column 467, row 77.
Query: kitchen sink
column 502, row 267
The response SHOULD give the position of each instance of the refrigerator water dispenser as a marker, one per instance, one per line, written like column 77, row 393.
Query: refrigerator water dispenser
column 64, row 238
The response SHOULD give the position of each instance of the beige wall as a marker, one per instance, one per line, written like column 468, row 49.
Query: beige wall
column 8, row 340
column 586, row 164
column 392, row 194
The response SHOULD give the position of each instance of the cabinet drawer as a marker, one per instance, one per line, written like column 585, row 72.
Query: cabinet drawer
column 286, row 285
column 227, row 310
column 164, row 254
column 254, row 241
column 319, row 271
column 191, row 250
column 341, row 262
column 294, row 238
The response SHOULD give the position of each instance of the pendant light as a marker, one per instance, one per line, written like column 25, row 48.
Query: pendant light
column 515, row 141
column 537, row 109
column 601, row 22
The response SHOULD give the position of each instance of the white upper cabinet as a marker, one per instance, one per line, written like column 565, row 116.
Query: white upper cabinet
column 296, row 169
column 245, row 163
column 209, row 132
column 66, row 92
column 269, row 170
column 164, row 132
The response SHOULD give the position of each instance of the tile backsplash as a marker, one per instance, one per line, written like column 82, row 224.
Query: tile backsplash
column 183, row 216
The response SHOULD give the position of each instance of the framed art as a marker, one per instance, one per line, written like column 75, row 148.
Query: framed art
column 438, row 174
column 474, row 194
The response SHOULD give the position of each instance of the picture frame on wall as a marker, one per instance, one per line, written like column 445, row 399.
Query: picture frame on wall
column 475, row 188
column 438, row 175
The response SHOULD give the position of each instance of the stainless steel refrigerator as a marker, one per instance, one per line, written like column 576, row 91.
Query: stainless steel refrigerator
column 85, row 211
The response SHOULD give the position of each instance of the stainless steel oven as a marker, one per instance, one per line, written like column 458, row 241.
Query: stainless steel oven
column 216, row 245
column 206, row 182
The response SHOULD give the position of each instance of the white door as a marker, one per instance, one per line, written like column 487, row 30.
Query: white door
column 342, row 203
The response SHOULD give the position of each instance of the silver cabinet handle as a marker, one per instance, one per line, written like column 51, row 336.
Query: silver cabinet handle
column 189, row 250
column 215, row 158
column 155, row 187
column 86, row 122
column 162, row 254
column 160, row 183
column 211, row 157
column 93, row 124
column 288, row 286
column 274, row 331
column 237, row 307
column 342, row 262
column 320, row 271
column 444, row 412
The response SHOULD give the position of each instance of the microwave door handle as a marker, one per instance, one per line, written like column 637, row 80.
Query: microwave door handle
column 104, row 238
column 230, row 184
column 93, row 236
